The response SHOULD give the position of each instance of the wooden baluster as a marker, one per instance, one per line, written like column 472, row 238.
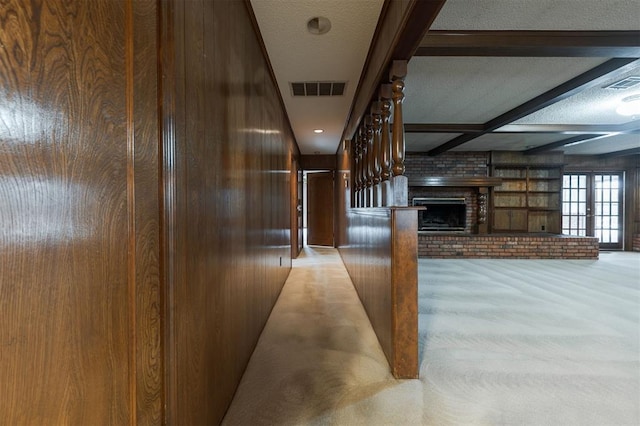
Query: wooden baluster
column 400, row 183
column 397, row 75
column 368, row 121
column 377, row 148
column 385, row 141
column 363, row 167
column 355, row 172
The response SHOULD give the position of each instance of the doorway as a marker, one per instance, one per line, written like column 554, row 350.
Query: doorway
column 320, row 209
column 592, row 205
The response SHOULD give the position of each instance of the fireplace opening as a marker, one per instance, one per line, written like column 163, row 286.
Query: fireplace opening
column 441, row 214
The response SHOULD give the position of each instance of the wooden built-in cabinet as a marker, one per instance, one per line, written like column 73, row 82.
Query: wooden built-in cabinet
column 528, row 200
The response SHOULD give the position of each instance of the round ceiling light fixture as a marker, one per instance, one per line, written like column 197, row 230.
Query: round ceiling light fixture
column 318, row 25
column 318, row 131
column 630, row 106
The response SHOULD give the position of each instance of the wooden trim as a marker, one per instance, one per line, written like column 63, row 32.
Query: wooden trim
column 442, row 128
column 577, row 84
column 131, row 211
column 168, row 196
column 553, row 145
column 456, row 181
column 602, row 129
column 623, row 153
column 563, row 128
column 605, row 44
column 418, row 22
column 317, row 162
column 395, row 39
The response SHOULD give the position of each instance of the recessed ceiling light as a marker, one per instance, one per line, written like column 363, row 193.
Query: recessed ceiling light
column 629, row 106
column 318, row 25
column 318, row 130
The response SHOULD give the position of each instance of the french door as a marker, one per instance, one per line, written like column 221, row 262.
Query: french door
column 592, row 206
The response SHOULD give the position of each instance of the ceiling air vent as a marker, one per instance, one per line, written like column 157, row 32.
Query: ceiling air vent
column 318, row 88
column 625, row 83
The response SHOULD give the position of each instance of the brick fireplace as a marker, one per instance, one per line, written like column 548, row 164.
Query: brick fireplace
column 464, row 177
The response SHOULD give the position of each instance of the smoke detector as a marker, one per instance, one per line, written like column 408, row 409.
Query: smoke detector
column 318, row 25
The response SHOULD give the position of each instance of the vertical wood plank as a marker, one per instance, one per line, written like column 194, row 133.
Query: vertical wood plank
column 404, row 284
column 64, row 299
column 231, row 204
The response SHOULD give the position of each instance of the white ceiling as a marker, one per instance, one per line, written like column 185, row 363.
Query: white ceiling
column 298, row 55
column 447, row 90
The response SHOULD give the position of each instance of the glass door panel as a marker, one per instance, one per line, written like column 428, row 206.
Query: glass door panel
column 592, row 206
column 574, row 205
column 608, row 209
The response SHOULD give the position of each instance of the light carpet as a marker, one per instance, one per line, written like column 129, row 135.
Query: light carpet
column 503, row 342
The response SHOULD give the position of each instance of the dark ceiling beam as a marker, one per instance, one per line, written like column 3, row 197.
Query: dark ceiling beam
column 401, row 28
column 587, row 80
column 602, row 44
column 442, row 128
column 563, row 128
column 623, row 153
column 558, row 144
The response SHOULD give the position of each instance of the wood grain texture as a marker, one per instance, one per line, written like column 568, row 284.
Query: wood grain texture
column 404, row 287
column 75, row 144
column 229, row 213
column 146, row 283
column 320, row 209
column 381, row 255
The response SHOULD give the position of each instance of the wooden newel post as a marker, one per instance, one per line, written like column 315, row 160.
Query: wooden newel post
column 400, row 182
column 397, row 75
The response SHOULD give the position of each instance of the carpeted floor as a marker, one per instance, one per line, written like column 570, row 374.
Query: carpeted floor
column 503, row 342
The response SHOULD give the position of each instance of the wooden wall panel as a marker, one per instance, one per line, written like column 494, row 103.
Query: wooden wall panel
column 79, row 280
column 146, row 297
column 381, row 256
column 379, row 247
column 229, row 216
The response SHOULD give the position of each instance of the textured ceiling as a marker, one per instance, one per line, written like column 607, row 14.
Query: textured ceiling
column 454, row 90
column 297, row 55
column 475, row 90
column 592, row 15
column 593, row 106
column 604, row 145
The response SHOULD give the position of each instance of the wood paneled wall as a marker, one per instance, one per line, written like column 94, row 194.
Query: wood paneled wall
column 230, row 246
column 80, row 294
column 379, row 247
column 381, row 256
column 145, row 216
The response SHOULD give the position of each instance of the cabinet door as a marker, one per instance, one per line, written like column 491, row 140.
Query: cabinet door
column 510, row 220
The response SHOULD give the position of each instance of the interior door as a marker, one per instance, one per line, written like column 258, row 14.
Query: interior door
column 320, row 208
column 592, row 206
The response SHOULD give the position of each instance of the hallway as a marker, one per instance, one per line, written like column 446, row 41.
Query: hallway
column 505, row 342
column 318, row 360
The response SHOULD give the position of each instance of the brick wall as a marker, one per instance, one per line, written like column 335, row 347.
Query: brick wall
column 506, row 247
column 462, row 164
